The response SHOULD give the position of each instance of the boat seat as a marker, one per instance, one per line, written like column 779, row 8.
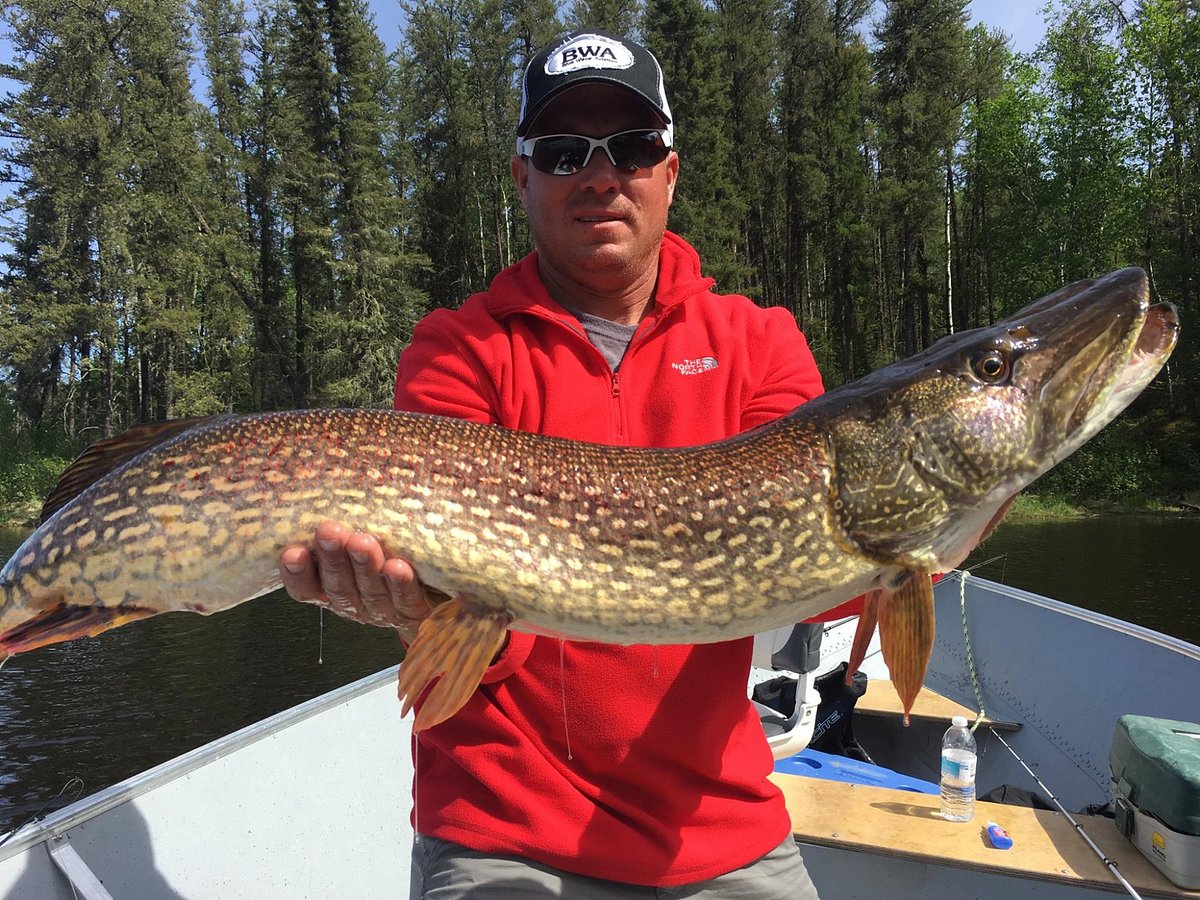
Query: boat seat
column 930, row 706
column 907, row 825
column 793, row 652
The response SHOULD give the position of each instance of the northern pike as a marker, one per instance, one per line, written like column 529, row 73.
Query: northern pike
column 867, row 489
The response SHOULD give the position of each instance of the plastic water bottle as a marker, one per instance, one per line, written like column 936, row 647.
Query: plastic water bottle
column 958, row 771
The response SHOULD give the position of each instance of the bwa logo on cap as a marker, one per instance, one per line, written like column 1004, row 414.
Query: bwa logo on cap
column 589, row 51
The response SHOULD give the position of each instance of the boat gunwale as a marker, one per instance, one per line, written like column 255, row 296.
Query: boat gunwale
column 1165, row 641
column 74, row 814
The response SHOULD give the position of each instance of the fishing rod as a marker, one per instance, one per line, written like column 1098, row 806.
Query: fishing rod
column 1109, row 863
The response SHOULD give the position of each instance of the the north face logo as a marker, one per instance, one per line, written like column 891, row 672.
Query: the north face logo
column 589, row 51
column 695, row 366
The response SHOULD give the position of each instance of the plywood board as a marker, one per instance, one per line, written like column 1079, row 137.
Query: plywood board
column 908, row 825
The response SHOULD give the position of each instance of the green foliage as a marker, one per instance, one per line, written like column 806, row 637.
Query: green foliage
column 30, row 463
column 1118, row 467
column 272, row 242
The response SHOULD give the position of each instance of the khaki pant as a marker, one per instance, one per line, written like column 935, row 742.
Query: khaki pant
column 445, row 871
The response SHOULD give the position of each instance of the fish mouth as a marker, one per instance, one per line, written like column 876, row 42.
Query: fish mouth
column 1113, row 348
column 66, row 621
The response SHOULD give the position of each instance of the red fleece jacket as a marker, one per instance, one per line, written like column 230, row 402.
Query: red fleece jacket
column 636, row 764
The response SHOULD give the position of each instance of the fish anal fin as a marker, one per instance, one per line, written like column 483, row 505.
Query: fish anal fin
column 457, row 642
column 906, row 636
column 868, row 618
column 107, row 455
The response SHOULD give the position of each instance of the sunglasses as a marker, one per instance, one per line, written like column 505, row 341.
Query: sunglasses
column 566, row 154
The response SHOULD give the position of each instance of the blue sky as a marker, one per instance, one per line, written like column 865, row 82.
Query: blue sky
column 1019, row 19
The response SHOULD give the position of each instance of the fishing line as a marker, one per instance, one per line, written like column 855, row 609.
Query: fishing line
column 1110, row 863
column 75, row 783
column 321, row 636
column 562, row 686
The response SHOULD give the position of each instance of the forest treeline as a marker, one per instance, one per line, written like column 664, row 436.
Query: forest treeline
column 224, row 205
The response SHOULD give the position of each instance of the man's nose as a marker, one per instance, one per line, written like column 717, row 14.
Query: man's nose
column 600, row 173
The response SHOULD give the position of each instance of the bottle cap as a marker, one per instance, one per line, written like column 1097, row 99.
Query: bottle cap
column 959, row 721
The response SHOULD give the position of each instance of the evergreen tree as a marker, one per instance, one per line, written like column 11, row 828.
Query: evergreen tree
column 749, row 31
column 1005, row 239
column 375, row 304
column 107, row 247
column 919, row 72
column 1087, row 145
column 222, row 377
column 1163, row 45
column 310, row 185
column 614, row 16
column 708, row 209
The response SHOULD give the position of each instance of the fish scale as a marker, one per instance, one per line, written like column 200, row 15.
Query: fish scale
column 868, row 488
column 598, row 542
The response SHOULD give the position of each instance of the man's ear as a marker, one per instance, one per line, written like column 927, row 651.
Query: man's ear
column 672, row 176
column 519, row 167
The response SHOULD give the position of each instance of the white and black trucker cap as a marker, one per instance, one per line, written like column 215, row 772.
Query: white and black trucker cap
column 590, row 56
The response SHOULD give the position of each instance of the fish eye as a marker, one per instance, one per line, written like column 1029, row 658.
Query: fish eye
column 990, row 366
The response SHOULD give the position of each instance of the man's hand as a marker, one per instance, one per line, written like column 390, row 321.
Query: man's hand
column 351, row 575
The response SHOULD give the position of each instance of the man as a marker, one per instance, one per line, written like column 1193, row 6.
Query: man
column 580, row 769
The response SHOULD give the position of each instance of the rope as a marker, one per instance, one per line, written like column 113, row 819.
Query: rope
column 962, row 602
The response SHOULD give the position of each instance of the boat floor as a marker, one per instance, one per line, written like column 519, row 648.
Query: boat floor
column 907, row 825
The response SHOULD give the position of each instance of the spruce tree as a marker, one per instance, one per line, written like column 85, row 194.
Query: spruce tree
column 918, row 68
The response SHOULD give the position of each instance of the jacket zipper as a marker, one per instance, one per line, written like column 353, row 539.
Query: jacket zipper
column 619, row 411
column 619, row 405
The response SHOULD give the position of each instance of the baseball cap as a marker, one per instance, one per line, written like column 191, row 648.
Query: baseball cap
column 583, row 57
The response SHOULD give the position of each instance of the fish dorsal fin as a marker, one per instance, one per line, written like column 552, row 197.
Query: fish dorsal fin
column 107, row 455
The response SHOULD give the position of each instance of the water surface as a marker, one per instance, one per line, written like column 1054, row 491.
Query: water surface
column 106, row 708
column 1144, row 569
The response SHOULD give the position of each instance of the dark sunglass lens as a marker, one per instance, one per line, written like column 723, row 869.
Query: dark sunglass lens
column 638, row 149
column 560, row 155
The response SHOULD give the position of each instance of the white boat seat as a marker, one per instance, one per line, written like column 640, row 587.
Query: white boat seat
column 794, row 653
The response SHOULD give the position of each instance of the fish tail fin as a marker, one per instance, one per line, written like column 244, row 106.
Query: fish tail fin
column 868, row 618
column 457, row 642
column 906, row 636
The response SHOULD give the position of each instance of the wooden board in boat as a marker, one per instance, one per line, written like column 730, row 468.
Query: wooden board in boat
column 908, row 825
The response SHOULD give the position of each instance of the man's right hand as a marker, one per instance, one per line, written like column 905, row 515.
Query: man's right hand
column 350, row 574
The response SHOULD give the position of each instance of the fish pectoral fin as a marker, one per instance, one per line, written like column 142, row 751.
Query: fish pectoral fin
column 906, row 636
column 457, row 641
column 867, row 620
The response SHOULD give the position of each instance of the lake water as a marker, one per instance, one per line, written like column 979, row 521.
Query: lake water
column 108, row 708
column 1144, row 569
